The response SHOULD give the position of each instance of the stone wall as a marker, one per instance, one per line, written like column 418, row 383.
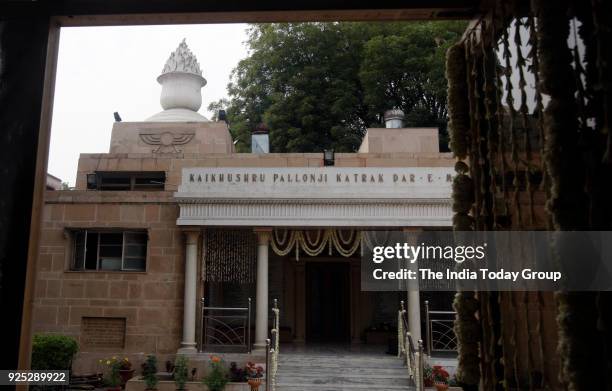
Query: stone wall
column 173, row 163
column 151, row 302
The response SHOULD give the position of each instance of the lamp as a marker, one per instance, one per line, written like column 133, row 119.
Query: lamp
column 328, row 157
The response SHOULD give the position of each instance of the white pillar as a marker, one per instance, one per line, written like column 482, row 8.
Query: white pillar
column 414, row 314
column 188, row 344
column 413, row 302
column 261, row 301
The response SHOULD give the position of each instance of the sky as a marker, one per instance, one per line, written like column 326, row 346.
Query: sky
column 106, row 69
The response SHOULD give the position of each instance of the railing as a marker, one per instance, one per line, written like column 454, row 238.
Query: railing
column 272, row 349
column 413, row 357
column 225, row 329
column 440, row 330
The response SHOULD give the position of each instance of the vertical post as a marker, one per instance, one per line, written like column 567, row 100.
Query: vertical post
column 188, row 344
column 267, row 347
column 428, row 332
column 202, row 325
column 249, row 328
column 420, row 365
column 261, row 301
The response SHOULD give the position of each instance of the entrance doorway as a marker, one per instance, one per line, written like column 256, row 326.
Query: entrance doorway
column 327, row 302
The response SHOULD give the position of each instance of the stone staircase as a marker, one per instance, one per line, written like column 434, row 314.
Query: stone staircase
column 351, row 371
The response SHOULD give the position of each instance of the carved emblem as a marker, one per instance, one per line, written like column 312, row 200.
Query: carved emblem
column 166, row 141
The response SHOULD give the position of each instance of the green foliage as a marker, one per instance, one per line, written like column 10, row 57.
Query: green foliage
column 217, row 378
column 320, row 85
column 181, row 372
column 50, row 351
column 112, row 377
column 149, row 372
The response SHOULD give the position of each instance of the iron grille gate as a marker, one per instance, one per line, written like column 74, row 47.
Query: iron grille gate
column 440, row 330
column 226, row 329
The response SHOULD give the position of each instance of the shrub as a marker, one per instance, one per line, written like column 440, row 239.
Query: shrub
column 149, row 372
column 217, row 377
column 112, row 377
column 52, row 351
column 181, row 372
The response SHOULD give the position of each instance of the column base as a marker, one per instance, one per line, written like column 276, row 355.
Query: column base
column 259, row 348
column 187, row 348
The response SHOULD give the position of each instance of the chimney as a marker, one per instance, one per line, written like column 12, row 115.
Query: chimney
column 260, row 139
column 394, row 119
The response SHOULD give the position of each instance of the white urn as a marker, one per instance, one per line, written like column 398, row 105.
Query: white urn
column 181, row 90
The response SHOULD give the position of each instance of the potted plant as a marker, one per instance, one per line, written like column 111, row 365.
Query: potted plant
column 112, row 379
column 254, row 375
column 440, row 377
column 126, row 372
column 181, row 372
column 216, row 379
column 149, row 372
column 237, row 375
column 427, row 375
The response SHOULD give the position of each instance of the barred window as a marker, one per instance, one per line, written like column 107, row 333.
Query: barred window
column 125, row 181
column 109, row 250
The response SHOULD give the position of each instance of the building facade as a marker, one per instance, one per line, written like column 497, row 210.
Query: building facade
column 172, row 217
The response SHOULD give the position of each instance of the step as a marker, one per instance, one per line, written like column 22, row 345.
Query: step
column 401, row 372
column 351, row 371
column 325, row 378
column 374, row 365
column 334, row 387
column 343, row 360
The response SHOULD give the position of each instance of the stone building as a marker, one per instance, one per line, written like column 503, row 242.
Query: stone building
column 172, row 214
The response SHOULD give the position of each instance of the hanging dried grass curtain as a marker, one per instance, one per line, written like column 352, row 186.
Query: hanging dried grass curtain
column 314, row 242
column 534, row 146
column 229, row 256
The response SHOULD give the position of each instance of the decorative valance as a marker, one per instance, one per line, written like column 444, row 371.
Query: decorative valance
column 314, row 242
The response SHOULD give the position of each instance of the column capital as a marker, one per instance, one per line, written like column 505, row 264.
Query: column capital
column 412, row 229
column 191, row 236
column 263, row 235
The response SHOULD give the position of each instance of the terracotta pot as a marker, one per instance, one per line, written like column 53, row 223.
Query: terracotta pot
column 254, row 383
column 125, row 374
column 441, row 386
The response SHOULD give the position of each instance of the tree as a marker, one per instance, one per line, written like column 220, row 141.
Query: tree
column 320, row 85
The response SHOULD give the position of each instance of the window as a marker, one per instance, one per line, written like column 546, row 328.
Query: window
column 110, row 250
column 137, row 181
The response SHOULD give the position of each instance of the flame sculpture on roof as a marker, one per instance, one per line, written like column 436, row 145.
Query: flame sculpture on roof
column 181, row 81
column 182, row 60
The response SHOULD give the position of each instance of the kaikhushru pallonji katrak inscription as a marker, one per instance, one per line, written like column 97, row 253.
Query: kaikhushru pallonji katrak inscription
column 317, row 178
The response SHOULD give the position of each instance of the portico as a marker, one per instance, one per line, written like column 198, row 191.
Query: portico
column 263, row 199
